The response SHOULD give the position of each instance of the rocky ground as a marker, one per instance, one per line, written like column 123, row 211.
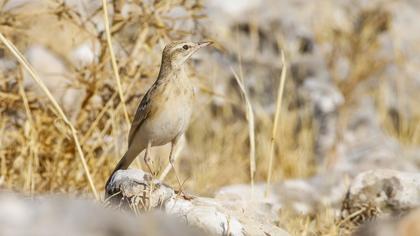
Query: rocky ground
column 365, row 172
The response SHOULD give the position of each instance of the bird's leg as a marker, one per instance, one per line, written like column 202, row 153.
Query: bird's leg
column 171, row 164
column 147, row 157
column 172, row 157
column 171, row 161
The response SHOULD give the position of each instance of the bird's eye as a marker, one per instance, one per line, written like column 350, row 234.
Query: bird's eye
column 185, row 47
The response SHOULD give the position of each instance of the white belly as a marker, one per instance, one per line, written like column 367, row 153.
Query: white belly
column 171, row 122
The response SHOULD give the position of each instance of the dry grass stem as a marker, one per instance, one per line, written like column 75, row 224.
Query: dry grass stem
column 113, row 61
column 37, row 79
column 276, row 122
column 251, row 127
column 29, row 183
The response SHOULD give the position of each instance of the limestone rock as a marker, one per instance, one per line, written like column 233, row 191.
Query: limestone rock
column 56, row 77
column 392, row 226
column 381, row 192
column 59, row 215
column 137, row 190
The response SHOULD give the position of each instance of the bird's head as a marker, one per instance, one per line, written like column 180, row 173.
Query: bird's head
column 176, row 53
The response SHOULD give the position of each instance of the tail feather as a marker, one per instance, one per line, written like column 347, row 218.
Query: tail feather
column 123, row 164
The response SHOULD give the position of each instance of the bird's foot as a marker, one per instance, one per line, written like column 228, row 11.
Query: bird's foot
column 184, row 195
column 151, row 171
column 180, row 192
column 152, row 174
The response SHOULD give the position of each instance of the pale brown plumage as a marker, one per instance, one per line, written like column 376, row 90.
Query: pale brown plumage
column 164, row 112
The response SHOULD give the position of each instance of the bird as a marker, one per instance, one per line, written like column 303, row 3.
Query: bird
column 165, row 110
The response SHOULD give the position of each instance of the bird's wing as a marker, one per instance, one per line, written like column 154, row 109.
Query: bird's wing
column 143, row 111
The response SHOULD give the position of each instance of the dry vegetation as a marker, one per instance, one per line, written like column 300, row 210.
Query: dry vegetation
column 38, row 153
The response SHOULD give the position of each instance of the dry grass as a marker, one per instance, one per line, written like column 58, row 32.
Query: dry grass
column 322, row 224
column 275, row 122
column 251, row 127
column 38, row 153
column 28, row 67
column 113, row 60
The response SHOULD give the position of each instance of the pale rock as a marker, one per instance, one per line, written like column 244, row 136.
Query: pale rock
column 381, row 192
column 135, row 189
column 404, row 225
column 54, row 74
column 85, row 54
column 302, row 196
column 60, row 215
column 234, row 7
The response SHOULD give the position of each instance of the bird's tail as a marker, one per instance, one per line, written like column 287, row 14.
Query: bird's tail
column 123, row 164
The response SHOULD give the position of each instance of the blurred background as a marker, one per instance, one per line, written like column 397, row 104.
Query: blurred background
column 351, row 100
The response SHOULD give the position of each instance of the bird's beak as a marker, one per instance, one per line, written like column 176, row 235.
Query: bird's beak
column 203, row 44
column 197, row 46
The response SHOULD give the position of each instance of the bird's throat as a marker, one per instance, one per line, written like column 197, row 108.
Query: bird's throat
column 171, row 72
